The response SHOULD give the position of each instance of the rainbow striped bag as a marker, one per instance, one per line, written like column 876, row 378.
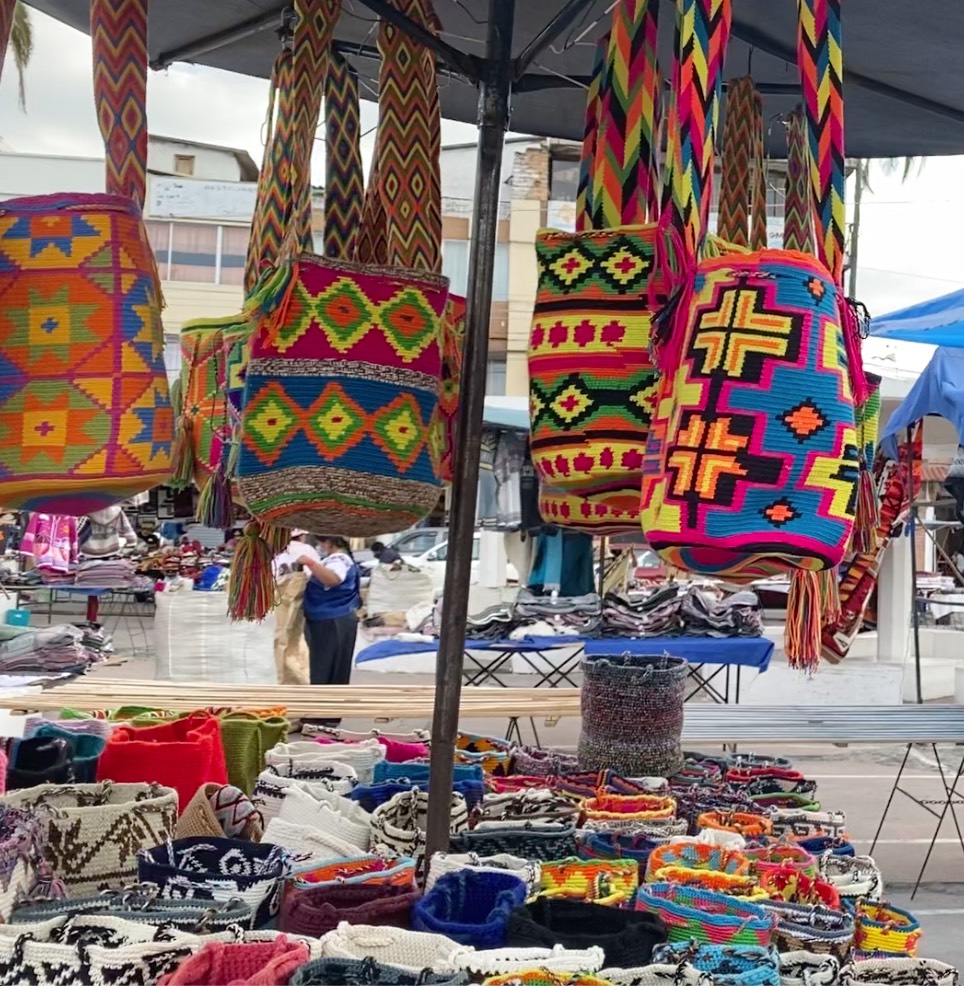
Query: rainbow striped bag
column 85, row 412
column 752, row 464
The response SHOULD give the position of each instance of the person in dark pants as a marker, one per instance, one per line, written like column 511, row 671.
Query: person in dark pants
column 331, row 598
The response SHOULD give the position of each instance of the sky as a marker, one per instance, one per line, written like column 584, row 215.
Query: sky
column 911, row 232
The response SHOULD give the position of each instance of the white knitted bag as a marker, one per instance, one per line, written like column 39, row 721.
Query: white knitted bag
column 800, row 968
column 309, row 847
column 899, row 972
column 271, row 788
column 503, row 961
column 339, row 817
column 412, row 951
column 529, row 870
column 306, row 755
column 398, row 825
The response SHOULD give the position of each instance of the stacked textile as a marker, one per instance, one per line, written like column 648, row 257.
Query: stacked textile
column 106, row 573
column 54, row 649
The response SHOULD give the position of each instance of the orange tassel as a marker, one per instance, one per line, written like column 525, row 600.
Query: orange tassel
column 182, row 454
column 829, row 596
column 802, row 636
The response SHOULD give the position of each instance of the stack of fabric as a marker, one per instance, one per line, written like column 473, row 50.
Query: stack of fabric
column 106, row 573
column 654, row 614
column 57, row 649
column 728, row 872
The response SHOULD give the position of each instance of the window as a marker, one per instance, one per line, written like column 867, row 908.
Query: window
column 414, row 544
column 234, row 252
column 563, row 180
column 184, row 164
column 495, row 377
column 194, row 253
column 455, row 266
column 204, row 253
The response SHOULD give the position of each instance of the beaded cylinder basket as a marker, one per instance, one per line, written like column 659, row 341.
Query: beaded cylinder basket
column 591, row 380
column 752, row 461
column 203, row 392
column 632, row 715
column 340, row 427
column 85, row 411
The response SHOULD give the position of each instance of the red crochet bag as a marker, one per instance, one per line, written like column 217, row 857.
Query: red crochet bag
column 183, row 754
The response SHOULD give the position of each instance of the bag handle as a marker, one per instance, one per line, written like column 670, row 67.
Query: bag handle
column 625, row 170
column 743, row 183
column 586, row 187
column 344, row 175
column 118, row 32
column 798, row 217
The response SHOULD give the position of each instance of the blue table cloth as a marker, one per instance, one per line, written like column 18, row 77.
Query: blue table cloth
column 398, row 648
column 752, row 652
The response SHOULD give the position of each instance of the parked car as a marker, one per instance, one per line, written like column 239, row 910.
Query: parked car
column 434, row 560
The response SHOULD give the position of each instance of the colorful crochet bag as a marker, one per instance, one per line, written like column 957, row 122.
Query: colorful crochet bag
column 85, row 413
column 752, row 461
column 886, row 929
column 612, row 882
column 340, row 421
column 591, row 379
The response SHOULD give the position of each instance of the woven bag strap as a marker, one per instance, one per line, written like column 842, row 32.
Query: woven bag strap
column 118, row 32
column 820, row 62
column 702, row 35
column 584, row 191
column 344, row 176
column 273, row 201
column 313, row 35
column 625, row 168
column 797, row 214
column 402, row 221
column 740, row 164
column 759, row 233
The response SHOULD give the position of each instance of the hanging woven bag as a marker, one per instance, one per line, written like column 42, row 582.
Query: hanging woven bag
column 342, row 386
column 85, row 414
column 752, row 463
column 94, row 831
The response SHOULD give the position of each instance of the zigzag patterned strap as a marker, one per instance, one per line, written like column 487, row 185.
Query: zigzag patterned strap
column 623, row 169
column 584, row 207
column 409, row 142
column 271, row 208
column 313, row 34
column 8, row 10
column 759, row 234
column 738, row 140
column 371, row 246
column 703, row 31
column 118, row 31
column 797, row 213
column 344, row 177
column 820, row 62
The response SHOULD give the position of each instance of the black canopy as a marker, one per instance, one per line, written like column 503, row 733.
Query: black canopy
column 904, row 87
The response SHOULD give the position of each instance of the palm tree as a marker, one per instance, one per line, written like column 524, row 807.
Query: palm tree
column 21, row 46
column 889, row 165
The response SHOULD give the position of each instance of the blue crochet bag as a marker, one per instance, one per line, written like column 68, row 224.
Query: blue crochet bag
column 470, row 907
column 370, row 796
column 729, row 965
column 418, row 773
column 612, row 845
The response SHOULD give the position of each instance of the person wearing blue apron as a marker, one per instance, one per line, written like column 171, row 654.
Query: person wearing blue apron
column 332, row 598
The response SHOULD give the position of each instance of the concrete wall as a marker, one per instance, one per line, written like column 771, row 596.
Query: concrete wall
column 214, row 165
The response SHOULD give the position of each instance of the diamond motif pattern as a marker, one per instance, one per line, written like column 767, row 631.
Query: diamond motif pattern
column 398, row 430
column 410, row 325
column 345, row 313
column 271, row 421
column 335, row 423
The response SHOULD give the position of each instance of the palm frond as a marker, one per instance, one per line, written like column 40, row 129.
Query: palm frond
column 21, row 46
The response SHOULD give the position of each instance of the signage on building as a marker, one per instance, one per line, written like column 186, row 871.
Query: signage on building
column 196, row 198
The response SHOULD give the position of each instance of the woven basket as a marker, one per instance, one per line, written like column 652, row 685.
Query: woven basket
column 681, row 974
column 470, row 907
column 86, row 417
column 367, row 972
column 529, row 871
column 632, row 715
column 612, row 845
column 728, row 965
column 308, row 847
column 330, row 815
column 604, row 881
column 24, row 872
column 398, row 871
column 316, row 911
column 800, row 928
column 808, row 969
column 199, row 818
column 399, row 824
column 94, row 831
column 627, row 813
column 627, row 937
column 537, row 762
column 697, row 856
column 770, row 780
column 747, row 825
column 796, row 824
column 855, row 877
column 886, row 929
column 271, row 788
column 411, row 951
column 556, row 960
column 526, row 806
column 241, row 964
column 183, row 754
column 530, row 840
column 899, row 972
column 246, row 739
column 695, row 915
column 543, row 977
column 301, row 759
column 781, row 858
column 370, row 796
column 217, row 870
column 798, row 888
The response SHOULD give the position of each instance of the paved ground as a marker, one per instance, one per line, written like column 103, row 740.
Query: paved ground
column 856, row 779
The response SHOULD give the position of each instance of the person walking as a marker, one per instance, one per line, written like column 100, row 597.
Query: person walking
column 332, row 597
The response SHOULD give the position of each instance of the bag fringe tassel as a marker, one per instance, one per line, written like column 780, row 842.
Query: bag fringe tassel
column 829, row 596
column 215, row 508
column 803, row 628
column 182, row 454
column 251, row 586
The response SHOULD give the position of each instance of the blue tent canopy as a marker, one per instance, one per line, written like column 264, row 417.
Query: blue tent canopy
column 938, row 322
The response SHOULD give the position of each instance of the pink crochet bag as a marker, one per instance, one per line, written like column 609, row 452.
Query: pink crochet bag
column 249, row 964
